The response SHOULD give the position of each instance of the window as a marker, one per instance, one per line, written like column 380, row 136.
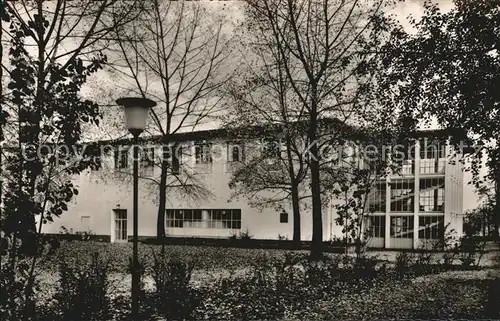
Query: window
column 431, row 197
column 377, row 226
column 194, row 218
column 187, row 218
column 271, row 147
column 203, row 153
column 93, row 152
column 173, row 155
column 148, row 157
column 430, row 227
column 147, row 161
column 225, row 219
column 402, row 227
column 432, row 156
column 121, row 158
column 376, row 198
column 407, row 167
column 120, row 225
column 85, row 223
column 283, row 217
column 176, row 163
column 402, row 195
column 235, row 152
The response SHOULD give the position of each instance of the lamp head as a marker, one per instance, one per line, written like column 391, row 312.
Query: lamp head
column 136, row 113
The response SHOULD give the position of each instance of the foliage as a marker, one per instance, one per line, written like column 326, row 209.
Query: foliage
column 82, row 291
column 423, row 300
column 80, row 235
column 448, row 70
column 470, row 250
column 403, row 262
column 270, row 284
column 14, row 301
column 174, row 298
column 481, row 220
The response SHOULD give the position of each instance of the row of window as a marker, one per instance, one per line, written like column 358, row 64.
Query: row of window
column 429, row 227
column 427, row 166
column 432, row 155
column 431, row 196
column 147, row 159
column 204, row 218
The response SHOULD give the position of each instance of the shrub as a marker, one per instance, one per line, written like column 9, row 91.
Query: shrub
column 470, row 251
column 81, row 294
column 174, row 297
column 493, row 299
column 403, row 263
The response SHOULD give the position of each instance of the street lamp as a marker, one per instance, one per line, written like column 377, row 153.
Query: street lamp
column 136, row 114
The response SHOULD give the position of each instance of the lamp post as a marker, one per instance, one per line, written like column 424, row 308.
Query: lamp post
column 136, row 114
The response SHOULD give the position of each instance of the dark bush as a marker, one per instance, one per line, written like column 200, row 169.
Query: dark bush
column 174, row 298
column 81, row 294
column 404, row 260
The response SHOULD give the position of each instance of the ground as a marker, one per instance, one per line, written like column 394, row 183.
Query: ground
column 449, row 294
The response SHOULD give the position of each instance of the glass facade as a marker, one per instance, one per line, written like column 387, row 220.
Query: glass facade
column 402, row 195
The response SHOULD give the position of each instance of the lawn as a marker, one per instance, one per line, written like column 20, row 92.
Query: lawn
column 250, row 284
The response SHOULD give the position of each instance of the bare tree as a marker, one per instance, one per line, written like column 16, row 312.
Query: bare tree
column 323, row 38
column 174, row 53
column 262, row 97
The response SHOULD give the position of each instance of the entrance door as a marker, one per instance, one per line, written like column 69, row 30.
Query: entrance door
column 120, row 225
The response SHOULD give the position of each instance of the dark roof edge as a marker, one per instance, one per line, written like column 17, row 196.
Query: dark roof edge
column 253, row 131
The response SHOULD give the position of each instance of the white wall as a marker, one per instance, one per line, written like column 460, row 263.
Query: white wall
column 101, row 192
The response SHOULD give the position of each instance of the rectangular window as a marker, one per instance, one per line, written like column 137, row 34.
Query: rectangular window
column 430, row 227
column 203, row 153
column 225, row 218
column 120, row 224
column 94, row 152
column 173, row 155
column 271, row 147
column 432, row 156
column 188, row 218
column 283, row 217
column 402, row 195
column 148, row 157
column 193, row 218
column 402, row 227
column 121, row 158
column 235, row 152
column 431, row 197
column 377, row 198
column 377, row 226
column 407, row 167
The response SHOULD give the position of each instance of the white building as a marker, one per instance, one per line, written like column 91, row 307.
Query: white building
column 408, row 209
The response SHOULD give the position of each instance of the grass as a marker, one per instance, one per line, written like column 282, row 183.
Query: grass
column 433, row 299
column 203, row 258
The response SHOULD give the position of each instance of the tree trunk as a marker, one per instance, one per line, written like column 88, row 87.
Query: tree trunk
column 296, row 216
column 496, row 214
column 317, row 237
column 160, row 221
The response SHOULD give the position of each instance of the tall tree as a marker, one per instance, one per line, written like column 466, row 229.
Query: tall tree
column 261, row 97
column 47, row 48
column 53, row 49
column 449, row 70
column 323, row 39
column 174, row 54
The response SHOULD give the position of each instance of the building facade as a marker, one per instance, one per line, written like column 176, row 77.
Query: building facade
column 410, row 209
